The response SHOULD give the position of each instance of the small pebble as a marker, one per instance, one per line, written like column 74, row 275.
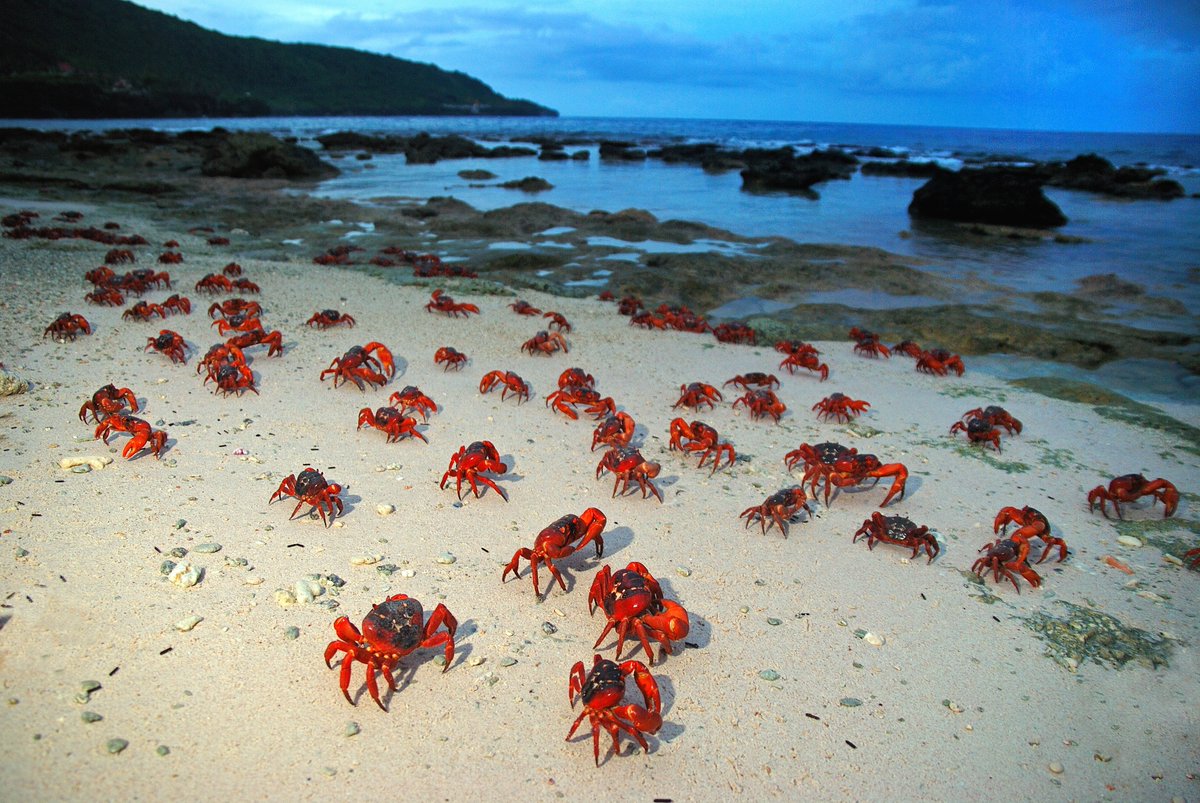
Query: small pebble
column 683, row 571
column 1129, row 541
column 774, row 621
column 162, row 750
column 90, row 716
column 179, row 523
column 85, row 469
column 769, row 674
column 352, row 729
column 252, row 581
column 873, row 640
column 1055, row 767
column 507, row 661
column 850, row 702
column 184, row 625
column 89, row 686
column 364, row 560
column 115, row 746
column 207, row 549
column 549, row 628
column 446, row 558
column 5, row 480
column 178, row 552
column 475, row 660
column 408, row 573
column 1174, row 561
column 291, row 633
column 385, row 510
column 21, row 553
column 185, row 575
column 744, row 609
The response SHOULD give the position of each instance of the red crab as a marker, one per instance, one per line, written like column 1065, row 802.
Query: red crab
column 744, row 381
column 240, row 322
column 141, row 431
column 168, row 343
column 310, row 488
column 451, row 357
column 232, row 377
column 978, row 430
column 468, row 463
column 558, row 321
column 220, row 355
column 1128, row 488
column 329, row 317
column 735, row 333
column 696, row 394
column 67, row 327
column 545, row 343
column 572, row 395
column 839, row 406
column 118, row 256
column 1031, row 524
column 602, row 689
column 867, row 344
column 512, row 384
column 440, row 302
column 523, row 307
column 1193, row 555
column 246, row 286
column 371, row 363
column 615, row 430
column 899, row 531
column 272, row 340
column 559, row 539
column 996, row 417
column 852, row 470
column 939, row 362
column 778, row 509
column 409, row 398
column 393, row 629
column 762, row 403
column 170, row 257
column 627, row 464
column 214, row 283
column 702, row 438
column 629, row 305
column 576, row 377
column 391, row 421
column 908, row 347
column 107, row 401
column 142, row 311
column 105, row 296
column 177, row 303
column 1005, row 557
column 633, row 600
column 818, row 460
column 232, row 270
column 235, row 306
column 807, row 360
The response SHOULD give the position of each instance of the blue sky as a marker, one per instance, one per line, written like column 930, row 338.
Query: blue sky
column 1081, row 65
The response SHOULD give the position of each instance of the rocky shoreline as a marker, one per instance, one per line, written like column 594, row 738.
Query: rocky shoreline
column 255, row 185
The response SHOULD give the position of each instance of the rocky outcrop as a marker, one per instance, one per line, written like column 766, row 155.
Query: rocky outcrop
column 782, row 169
column 257, row 155
column 528, row 184
column 901, row 167
column 621, row 152
column 1094, row 173
column 1001, row 196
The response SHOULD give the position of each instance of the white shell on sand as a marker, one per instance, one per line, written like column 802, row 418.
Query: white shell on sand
column 186, row 624
column 95, row 463
column 385, row 510
column 1129, row 541
column 874, row 640
column 185, row 575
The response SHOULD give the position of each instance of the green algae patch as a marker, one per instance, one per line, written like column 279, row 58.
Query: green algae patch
column 1085, row 634
column 1059, row 458
column 963, row 391
column 981, row 453
column 1115, row 407
column 1158, row 533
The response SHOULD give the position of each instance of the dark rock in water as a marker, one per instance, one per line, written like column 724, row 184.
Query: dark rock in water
column 902, row 167
column 426, row 149
column 477, row 175
column 352, row 140
column 528, row 184
column 553, row 153
column 1108, row 285
column 781, row 169
column 257, row 155
column 1005, row 196
column 580, row 156
column 621, row 152
column 1096, row 174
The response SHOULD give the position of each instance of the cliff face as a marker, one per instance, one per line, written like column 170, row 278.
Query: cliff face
column 111, row 58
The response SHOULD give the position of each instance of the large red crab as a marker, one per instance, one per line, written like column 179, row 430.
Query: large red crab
column 235, row 306
column 843, row 467
column 67, row 327
column 978, row 431
column 900, row 531
column 577, row 378
column 259, row 337
column 756, row 378
column 511, row 382
column 633, row 600
column 1005, row 557
column 601, row 691
column 393, row 629
column 696, row 394
column 778, row 509
column 567, row 397
column 1130, row 487
column 700, row 437
column 867, row 344
column 468, row 463
column 558, row 321
column 523, row 307
column 311, row 488
column 627, row 465
column 232, row 377
column 214, row 283
column 143, row 311
column 1031, row 523
column 839, row 406
column 371, row 363
column 939, row 362
column 141, row 431
column 238, row 322
column 329, row 317
column 177, row 303
column 762, row 403
column 168, row 343
column 411, row 398
column 452, row 358
column 804, row 357
column 440, row 302
column 615, row 430
column 558, row 540
column 545, row 343
column 107, row 401
column 391, row 421
column 995, row 416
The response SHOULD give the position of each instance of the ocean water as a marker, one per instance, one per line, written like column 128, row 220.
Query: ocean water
column 1152, row 243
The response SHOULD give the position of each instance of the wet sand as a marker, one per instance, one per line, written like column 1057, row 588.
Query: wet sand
column 972, row 690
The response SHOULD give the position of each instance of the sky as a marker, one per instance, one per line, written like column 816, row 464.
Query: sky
column 1073, row 65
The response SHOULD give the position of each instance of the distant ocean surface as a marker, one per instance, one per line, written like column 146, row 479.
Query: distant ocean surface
column 1155, row 244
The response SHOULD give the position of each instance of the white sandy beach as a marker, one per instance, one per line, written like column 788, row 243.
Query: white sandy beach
column 959, row 702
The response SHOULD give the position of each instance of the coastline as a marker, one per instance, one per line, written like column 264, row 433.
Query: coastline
column 958, row 694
